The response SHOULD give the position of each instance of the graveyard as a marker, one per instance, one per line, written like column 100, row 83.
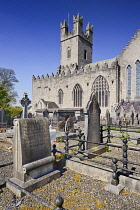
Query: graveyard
column 94, row 166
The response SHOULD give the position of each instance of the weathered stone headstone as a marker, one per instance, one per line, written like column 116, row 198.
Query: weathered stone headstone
column 33, row 163
column 52, row 133
column 2, row 115
column 25, row 101
column 113, row 115
column 55, row 118
column 69, row 124
column 93, row 122
column 108, row 120
column 3, row 122
column 86, row 127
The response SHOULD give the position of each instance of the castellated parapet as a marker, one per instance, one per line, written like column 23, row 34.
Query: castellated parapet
column 104, row 65
column 76, row 46
column 47, row 87
column 77, row 29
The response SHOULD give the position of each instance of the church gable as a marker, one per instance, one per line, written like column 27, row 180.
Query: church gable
column 132, row 46
column 43, row 105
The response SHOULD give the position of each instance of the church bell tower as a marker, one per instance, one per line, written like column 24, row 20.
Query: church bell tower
column 76, row 46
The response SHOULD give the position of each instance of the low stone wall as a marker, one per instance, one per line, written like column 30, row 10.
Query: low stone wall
column 102, row 173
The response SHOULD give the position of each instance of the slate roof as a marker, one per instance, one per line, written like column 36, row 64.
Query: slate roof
column 50, row 104
column 109, row 62
column 127, row 105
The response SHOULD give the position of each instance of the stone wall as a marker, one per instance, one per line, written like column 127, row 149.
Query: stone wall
column 129, row 56
column 47, row 88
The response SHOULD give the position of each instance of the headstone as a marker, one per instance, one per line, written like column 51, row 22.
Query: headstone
column 33, row 162
column 52, row 133
column 86, row 127
column 76, row 127
column 55, row 118
column 132, row 118
column 69, row 124
column 2, row 115
column 94, row 122
column 113, row 115
column 77, row 114
column 108, row 120
column 3, row 122
column 25, row 101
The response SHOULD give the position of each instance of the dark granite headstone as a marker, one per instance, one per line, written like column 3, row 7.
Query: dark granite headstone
column 2, row 115
column 93, row 122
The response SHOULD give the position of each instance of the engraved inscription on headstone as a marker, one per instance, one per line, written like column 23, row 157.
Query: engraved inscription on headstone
column 32, row 143
column 35, row 139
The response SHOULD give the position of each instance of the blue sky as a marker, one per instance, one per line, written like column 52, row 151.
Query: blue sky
column 30, row 33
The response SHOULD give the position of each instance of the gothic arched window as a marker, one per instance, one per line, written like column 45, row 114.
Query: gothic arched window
column 77, row 95
column 68, row 52
column 60, row 96
column 137, row 78
column 101, row 89
column 129, row 80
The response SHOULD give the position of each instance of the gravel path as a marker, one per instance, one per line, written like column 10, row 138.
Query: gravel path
column 80, row 192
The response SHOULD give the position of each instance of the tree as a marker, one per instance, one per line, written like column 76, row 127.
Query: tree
column 14, row 111
column 4, row 97
column 8, row 78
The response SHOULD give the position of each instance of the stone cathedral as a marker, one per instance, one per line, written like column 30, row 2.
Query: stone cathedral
column 115, row 82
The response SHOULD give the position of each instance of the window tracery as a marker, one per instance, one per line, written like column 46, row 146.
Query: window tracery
column 129, row 80
column 101, row 89
column 77, row 95
column 137, row 78
column 60, row 96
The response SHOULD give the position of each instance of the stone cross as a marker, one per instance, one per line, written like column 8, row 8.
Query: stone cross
column 25, row 101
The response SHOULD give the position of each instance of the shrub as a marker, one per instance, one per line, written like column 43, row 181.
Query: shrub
column 59, row 139
column 124, row 135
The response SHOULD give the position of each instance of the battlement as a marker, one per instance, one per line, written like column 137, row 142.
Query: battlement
column 68, row 71
column 77, row 19
column 77, row 29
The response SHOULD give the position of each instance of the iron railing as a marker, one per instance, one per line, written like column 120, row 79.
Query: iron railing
column 106, row 141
